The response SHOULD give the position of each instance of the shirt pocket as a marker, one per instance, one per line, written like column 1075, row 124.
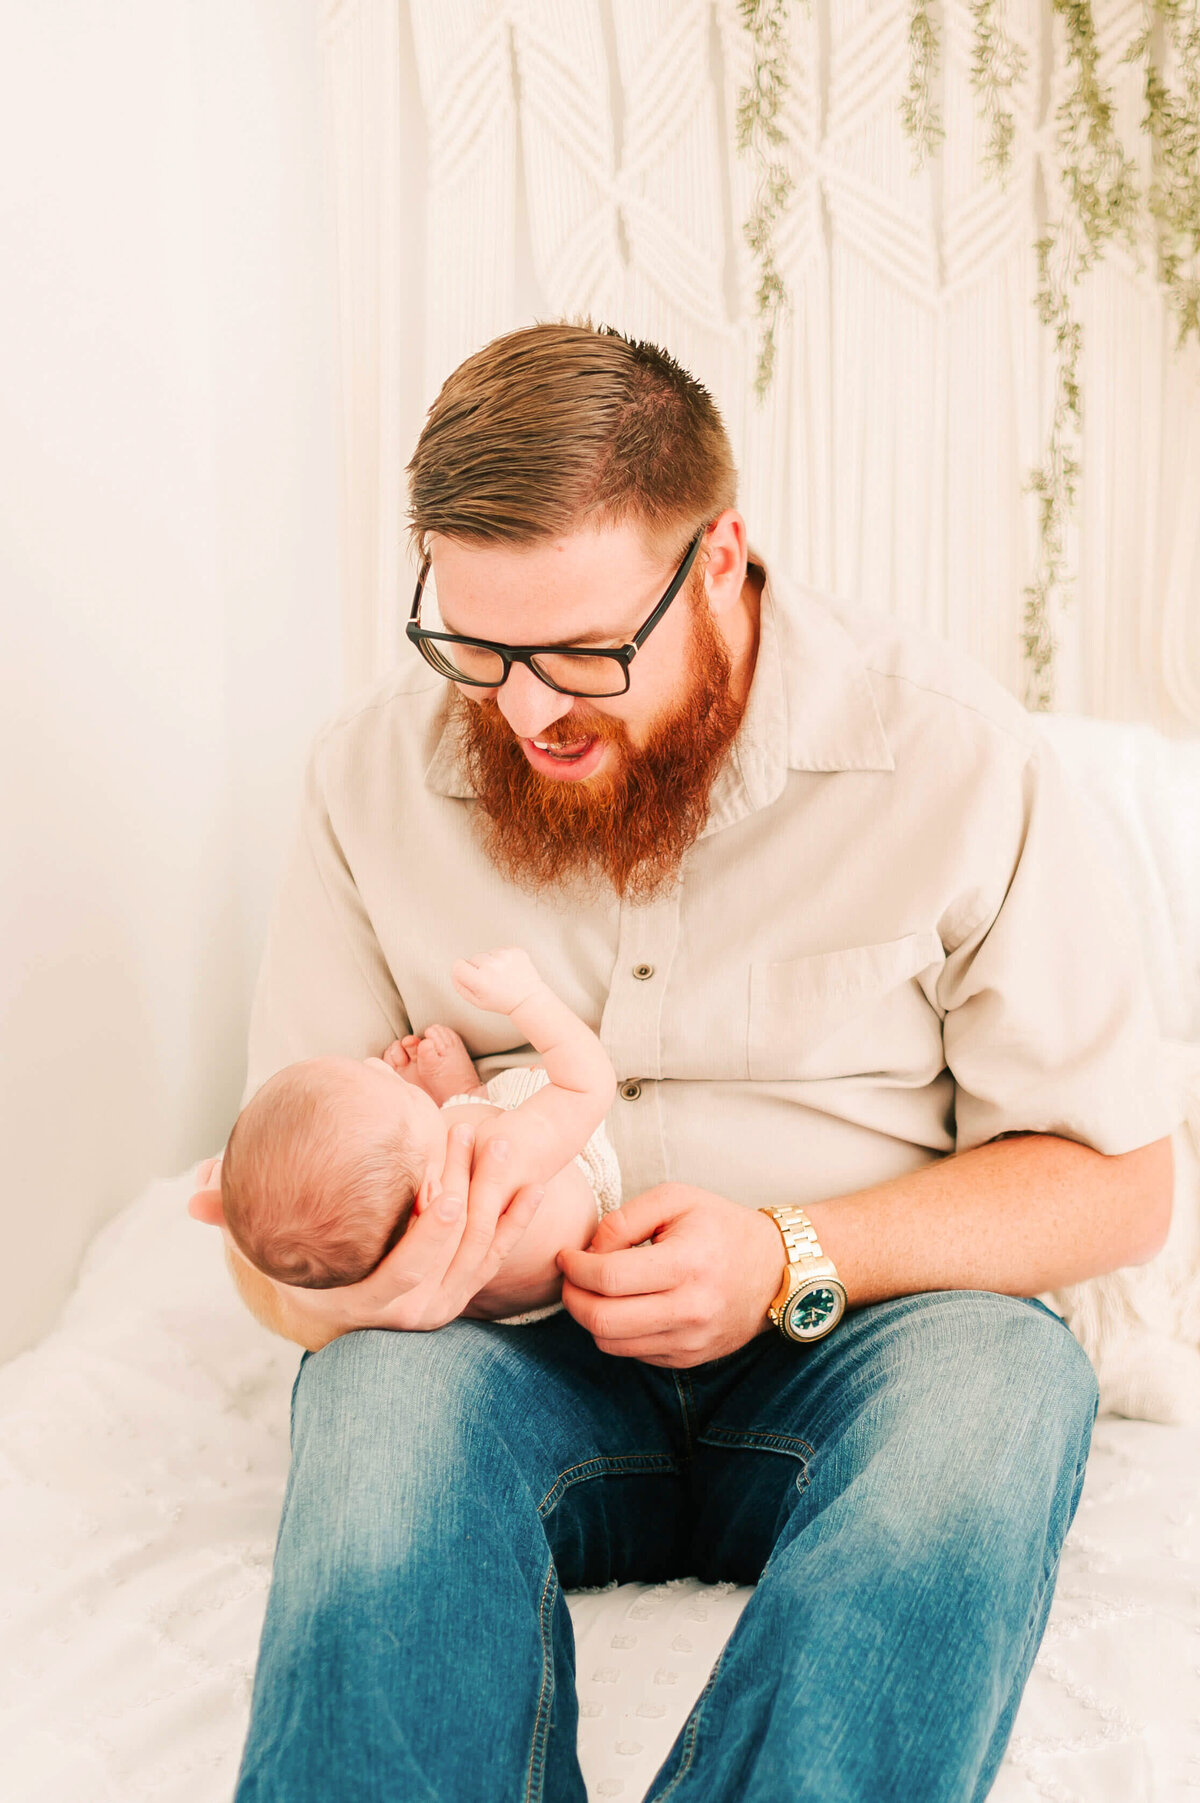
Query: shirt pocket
column 847, row 1013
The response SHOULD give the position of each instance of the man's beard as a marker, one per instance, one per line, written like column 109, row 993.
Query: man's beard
column 628, row 826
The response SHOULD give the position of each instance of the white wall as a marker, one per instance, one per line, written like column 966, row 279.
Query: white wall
column 169, row 618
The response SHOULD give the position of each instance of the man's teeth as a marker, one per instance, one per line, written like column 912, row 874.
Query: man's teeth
column 561, row 750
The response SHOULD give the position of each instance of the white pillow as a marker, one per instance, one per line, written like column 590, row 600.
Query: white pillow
column 1141, row 792
column 1141, row 1326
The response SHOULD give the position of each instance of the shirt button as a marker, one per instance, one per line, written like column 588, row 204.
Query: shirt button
column 643, row 972
column 631, row 1091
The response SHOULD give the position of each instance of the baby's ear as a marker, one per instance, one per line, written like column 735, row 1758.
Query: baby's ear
column 205, row 1206
column 425, row 1194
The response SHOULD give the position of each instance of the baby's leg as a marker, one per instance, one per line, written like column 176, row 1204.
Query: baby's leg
column 437, row 1061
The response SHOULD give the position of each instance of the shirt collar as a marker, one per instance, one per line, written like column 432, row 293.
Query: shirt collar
column 810, row 707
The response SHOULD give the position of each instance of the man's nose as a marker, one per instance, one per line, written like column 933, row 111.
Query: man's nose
column 528, row 705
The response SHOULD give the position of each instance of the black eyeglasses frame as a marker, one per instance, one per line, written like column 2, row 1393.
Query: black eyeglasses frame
column 622, row 655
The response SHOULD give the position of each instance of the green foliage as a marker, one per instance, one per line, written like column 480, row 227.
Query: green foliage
column 917, row 107
column 1172, row 123
column 1100, row 195
column 1102, row 202
column 759, row 131
column 997, row 63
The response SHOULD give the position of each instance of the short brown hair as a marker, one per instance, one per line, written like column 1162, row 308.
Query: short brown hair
column 561, row 426
column 306, row 1199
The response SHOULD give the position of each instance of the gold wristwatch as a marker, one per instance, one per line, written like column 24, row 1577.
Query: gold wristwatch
column 812, row 1297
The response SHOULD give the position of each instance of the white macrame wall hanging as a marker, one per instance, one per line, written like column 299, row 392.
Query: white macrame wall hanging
column 497, row 161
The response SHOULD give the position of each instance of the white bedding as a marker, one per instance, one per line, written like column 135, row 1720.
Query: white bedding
column 143, row 1450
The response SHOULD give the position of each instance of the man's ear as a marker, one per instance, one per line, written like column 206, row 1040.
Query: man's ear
column 725, row 565
column 205, row 1206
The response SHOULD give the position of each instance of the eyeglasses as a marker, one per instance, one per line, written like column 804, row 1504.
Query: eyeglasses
column 582, row 670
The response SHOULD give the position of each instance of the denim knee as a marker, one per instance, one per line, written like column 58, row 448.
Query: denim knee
column 392, row 1433
column 978, row 1407
column 1013, row 1420
column 418, row 1377
column 1075, row 1375
column 1012, row 1348
column 1043, row 1371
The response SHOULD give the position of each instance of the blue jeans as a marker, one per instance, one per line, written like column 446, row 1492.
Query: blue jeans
column 898, row 1493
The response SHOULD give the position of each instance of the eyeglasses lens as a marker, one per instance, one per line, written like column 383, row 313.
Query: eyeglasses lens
column 463, row 662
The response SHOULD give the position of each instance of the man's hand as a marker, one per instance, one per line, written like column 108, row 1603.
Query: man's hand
column 450, row 1249
column 699, row 1291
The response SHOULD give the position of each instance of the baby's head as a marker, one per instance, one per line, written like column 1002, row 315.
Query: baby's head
column 322, row 1167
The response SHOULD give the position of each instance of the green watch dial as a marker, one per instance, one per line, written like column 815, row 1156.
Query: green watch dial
column 813, row 1310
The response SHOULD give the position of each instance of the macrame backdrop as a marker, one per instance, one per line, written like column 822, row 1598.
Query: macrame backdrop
column 500, row 161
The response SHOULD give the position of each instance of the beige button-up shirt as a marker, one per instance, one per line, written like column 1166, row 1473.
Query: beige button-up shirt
column 894, row 940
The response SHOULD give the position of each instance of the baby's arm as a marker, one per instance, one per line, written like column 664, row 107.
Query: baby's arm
column 556, row 1123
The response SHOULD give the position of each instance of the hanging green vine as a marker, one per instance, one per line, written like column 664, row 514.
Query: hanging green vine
column 997, row 64
column 918, row 109
column 1101, row 203
column 759, row 105
column 1094, row 181
column 1172, row 121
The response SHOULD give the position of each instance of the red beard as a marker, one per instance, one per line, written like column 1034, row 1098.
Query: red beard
column 630, row 825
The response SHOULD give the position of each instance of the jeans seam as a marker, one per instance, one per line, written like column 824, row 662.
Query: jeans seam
column 304, row 1357
column 763, row 1440
column 1049, row 1575
column 541, row 1721
column 691, row 1733
column 600, row 1466
column 687, row 1404
column 752, row 1438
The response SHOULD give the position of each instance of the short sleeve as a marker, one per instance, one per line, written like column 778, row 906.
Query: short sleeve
column 323, row 986
column 1049, row 1025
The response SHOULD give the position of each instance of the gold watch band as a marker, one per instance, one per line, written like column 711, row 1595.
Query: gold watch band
column 808, row 1266
column 799, row 1234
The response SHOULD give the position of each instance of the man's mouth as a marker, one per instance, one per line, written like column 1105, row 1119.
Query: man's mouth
column 568, row 753
column 570, row 759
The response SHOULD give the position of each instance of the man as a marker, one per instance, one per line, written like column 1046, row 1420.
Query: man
column 876, row 1008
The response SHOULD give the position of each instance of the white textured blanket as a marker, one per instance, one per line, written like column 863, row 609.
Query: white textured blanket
column 143, row 1450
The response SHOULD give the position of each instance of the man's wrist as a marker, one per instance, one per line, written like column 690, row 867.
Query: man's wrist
column 772, row 1265
column 811, row 1298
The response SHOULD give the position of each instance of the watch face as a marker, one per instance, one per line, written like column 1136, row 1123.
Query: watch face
column 814, row 1311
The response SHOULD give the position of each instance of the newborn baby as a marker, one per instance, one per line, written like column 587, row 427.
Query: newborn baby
column 329, row 1159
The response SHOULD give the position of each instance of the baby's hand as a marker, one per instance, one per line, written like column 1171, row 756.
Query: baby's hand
column 499, row 981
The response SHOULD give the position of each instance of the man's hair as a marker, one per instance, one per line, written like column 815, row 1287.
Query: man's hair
column 309, row 1196
column 564, row 426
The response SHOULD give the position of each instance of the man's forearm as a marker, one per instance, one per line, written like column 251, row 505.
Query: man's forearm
column 1019, row 1216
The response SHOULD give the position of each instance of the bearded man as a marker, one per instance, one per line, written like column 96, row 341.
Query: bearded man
column 887, row 1073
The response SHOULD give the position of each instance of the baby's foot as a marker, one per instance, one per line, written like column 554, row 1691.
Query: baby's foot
column 437, row 1061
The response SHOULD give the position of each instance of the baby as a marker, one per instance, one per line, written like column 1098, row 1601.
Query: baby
column 329, row 1159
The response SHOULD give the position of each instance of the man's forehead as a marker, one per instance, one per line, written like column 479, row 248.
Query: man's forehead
column 623, row 546
column 582, row 584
